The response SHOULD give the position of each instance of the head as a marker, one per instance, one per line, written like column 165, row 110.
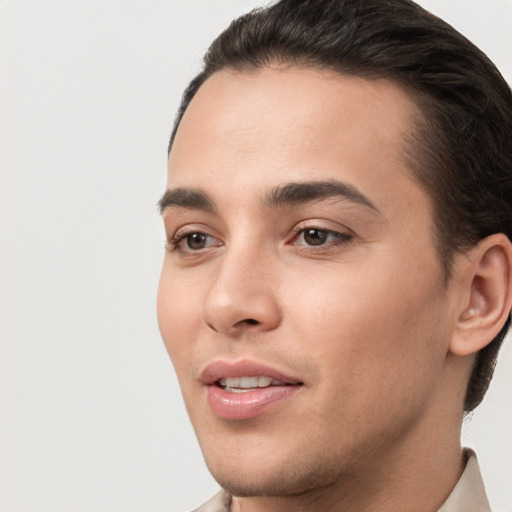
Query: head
column 339, row 214
column 460, row 150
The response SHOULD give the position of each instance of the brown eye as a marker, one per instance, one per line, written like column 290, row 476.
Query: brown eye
column 315, row 236
column 318, row 237
column 193, row 242
column 196, row 241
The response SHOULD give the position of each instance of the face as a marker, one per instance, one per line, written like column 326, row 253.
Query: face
column 301, row 300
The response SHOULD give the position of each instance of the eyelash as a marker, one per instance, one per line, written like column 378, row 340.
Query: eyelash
column 339, row 239
column 175, row 243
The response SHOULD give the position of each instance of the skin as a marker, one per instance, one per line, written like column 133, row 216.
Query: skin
column 366, row 319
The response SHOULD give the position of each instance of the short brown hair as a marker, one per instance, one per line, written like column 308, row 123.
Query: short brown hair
column 461, row 150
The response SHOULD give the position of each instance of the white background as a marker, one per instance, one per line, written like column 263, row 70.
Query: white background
column 91, row 414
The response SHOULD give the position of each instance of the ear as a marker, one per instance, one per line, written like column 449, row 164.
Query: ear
column 486, row 275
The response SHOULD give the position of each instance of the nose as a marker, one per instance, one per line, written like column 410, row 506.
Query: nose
column 241, row 298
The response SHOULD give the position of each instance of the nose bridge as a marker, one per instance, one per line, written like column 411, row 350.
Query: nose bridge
column 241, row 296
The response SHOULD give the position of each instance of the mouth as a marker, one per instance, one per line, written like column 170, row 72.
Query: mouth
column 246, row 384
column 246, row 389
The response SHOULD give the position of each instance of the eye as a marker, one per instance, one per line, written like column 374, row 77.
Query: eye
column 193, row 241
column 315, row 237
column 197, row 241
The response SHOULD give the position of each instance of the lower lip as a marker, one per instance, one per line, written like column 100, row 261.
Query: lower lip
column 241, row 406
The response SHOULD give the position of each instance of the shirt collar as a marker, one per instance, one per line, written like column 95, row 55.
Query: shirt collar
column 469, row 493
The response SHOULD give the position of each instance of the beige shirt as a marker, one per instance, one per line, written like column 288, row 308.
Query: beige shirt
column 467, row 496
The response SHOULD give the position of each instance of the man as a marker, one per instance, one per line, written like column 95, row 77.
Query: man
column 338, row 275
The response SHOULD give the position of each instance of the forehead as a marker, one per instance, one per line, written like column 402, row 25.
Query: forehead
column 267, row 100
column 272, row 108
column 255, row 130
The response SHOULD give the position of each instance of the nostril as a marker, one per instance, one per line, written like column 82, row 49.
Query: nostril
column 211, row 327
column 250, row 321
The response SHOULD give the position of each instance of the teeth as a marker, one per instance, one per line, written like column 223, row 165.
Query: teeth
column 263, row 382
column 243, row 384
column 247, row 382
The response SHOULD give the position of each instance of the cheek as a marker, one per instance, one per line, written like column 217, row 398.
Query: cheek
column 178, row 319
column 366, row 324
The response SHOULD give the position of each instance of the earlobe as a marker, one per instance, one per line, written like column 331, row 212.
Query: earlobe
column 488, row 300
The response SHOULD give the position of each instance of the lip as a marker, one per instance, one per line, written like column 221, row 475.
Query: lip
column 244, row 368
column 240, row 406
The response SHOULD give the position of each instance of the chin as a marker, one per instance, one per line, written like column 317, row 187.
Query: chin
column 292, row 477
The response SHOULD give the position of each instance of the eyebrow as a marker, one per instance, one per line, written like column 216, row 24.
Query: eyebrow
column 288, row 194
column 186, row 198
column 303, row 192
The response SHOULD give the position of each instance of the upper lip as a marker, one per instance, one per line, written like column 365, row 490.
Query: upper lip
column 245, row 368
